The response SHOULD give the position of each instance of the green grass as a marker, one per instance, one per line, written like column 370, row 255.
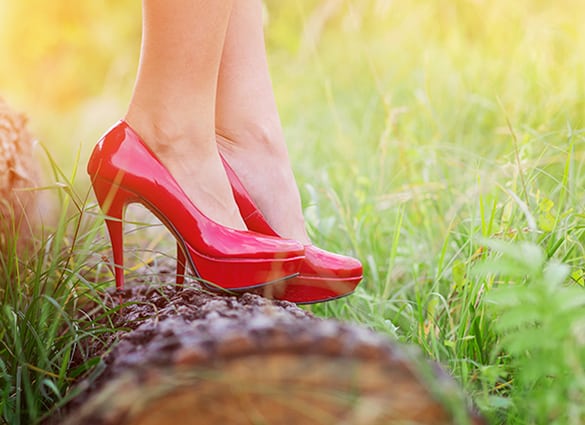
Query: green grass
column 45, row 304
column 442, row 143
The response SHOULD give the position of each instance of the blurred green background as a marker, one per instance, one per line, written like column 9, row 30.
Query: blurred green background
column 345, row 72
column 343, row 68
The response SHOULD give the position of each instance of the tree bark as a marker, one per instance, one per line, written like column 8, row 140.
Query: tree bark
column 200, row 358
column 18, row 172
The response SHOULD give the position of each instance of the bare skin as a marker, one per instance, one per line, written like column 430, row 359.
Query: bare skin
column 248, row 126
column 173, row 103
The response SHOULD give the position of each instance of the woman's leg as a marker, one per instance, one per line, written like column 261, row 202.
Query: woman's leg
column 173, row 104
column 249, row 132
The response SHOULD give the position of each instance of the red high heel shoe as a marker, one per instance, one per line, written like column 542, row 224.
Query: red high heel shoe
column 324, row 276
column 123, row 170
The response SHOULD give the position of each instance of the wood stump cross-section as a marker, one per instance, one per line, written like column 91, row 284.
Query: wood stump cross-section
column 18, row 174
column 200, row 358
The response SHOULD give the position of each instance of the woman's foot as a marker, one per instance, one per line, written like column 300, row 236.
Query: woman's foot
column 262, row 164
column 196, row 167
column 323, row 275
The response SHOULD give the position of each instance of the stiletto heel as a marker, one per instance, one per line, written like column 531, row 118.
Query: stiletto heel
column 123, row 170
column 113, row 202
column 324, row 276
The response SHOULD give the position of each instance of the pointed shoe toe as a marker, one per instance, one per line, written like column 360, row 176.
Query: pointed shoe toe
column 324, row 276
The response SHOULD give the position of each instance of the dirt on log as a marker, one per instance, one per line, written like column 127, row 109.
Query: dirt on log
column 193, row 357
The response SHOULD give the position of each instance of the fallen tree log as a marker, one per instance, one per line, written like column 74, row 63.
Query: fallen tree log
column 199, row 358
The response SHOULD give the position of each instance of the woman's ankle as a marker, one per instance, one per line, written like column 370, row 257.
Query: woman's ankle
column 170, row 135
column 265, row 138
